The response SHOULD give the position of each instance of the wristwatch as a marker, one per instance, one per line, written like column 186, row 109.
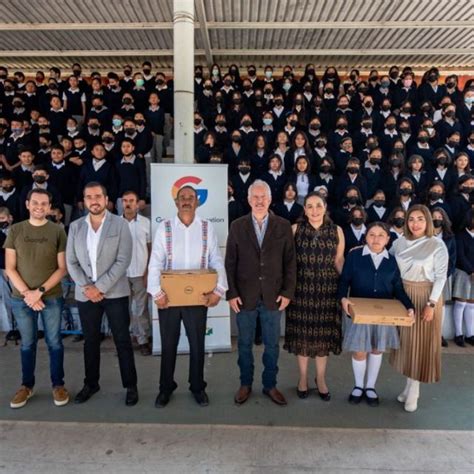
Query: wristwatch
column 430, row 304
column 42, row 289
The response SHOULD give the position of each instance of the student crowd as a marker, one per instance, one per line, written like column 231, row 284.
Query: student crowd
column 370, row 149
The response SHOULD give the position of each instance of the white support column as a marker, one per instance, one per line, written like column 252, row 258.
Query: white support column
column 183, row 39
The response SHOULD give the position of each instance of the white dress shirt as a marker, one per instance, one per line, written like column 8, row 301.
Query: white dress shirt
column 185, row 250
column 93, row 238
column 140, row 229
column 377, row 258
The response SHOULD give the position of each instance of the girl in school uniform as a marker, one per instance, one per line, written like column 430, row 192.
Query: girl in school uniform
column 370, row 272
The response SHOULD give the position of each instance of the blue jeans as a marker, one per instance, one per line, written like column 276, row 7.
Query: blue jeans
column 27, row 322
column 246, row 322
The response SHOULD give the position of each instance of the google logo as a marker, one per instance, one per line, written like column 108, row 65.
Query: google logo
column 190, row 181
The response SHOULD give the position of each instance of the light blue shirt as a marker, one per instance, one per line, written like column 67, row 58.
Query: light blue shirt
column 260, row 231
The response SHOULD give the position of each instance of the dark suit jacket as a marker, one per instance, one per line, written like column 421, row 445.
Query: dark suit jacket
column 265, row 273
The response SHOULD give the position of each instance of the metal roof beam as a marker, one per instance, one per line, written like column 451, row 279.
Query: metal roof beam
column 236, row 25
column 201, row 16
column 242, row 52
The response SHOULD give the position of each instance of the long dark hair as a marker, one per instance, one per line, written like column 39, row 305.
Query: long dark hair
column 446, row 226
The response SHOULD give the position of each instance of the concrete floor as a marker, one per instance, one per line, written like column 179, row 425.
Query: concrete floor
column 306, row 436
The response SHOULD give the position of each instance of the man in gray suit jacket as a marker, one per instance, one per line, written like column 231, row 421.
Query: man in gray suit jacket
column 98, row 253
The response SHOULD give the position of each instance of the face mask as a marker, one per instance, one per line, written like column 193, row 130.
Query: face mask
column 375, row 161
column 341, row 126
column 127, row 101
column 39, row 179
column 237, row 101
column 251, row 72
column 379, row 202
column 434, row 196
column 450, row 113
column 437, row 223
column 236, row 139
column 160, row 82
column 405, row 192
column 398, row 149
column 453, row 144
column 77, row 72
column 108, row 140
column 391, row 126
column 393, row 75
column 352, row 169
column 315, row 126
column 432, row 77
column 94, row 126
column 267, row 121
column 247, row 123
column 307, row 88
column 320, row 144
column 298, row 102
column 268, row 74
column 286, row 86
column 52, row 87
column 140, row 122
column 385, row 84
column 278, row 102
column 385, row 107
column 467, row 100
column 8, row 189
column 328, row 90
column 16, row 131
column 215, row 72
column 331, row 75
column 17, row 103
column 244, row 169
column 369, row 104
column 127, row 72
column 227, row 82
column 367, row 124
column 398, row 222
column 129, row 130
column 372, row 146
column 352, row 199
column 219, row 99
column 464, row 189
column 198, row 74
column 423, row 139
column 116, row 123
column 451, row 84
column 404, row 130
column 4, row 225
column 140, row 82
column 43, row 146
column 293, row 123
column 357, row 221
column 325, row 168
column 442, row 161
column 197, row 122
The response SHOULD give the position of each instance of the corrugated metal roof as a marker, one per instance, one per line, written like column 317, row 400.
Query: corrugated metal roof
column 344, row 33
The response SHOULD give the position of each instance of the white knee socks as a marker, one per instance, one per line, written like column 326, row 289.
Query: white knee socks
column 358, row 367
column 373, row 368
column 469, row 319
column 458, row 311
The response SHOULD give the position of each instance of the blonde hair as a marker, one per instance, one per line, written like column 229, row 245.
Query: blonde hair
column 429, row 232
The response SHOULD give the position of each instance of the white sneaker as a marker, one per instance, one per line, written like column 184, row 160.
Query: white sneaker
column 411, row 403
column 402, row 398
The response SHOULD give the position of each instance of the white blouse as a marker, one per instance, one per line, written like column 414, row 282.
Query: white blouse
column 423, row 259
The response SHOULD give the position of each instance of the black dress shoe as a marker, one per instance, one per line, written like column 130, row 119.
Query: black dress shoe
column 302, row 393
column 459, row 340
column 470, row 340
column 201, row 398
column 325, row 397
column 355, row 399
column 86, row 393
column 162, row 399
column 132, row 396
column 444, row 342
column 372, row 402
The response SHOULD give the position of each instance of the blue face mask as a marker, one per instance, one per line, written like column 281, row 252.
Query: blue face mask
column 116, row 122
column 140, row 82
column 286, row 86
column 16, row 131
column 469, row 100
column 268, row 74
column 267, row 121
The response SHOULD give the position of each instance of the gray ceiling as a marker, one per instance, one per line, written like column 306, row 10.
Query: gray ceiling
column 105, row 34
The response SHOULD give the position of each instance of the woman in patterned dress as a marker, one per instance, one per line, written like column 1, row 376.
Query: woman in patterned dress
column 313, row 319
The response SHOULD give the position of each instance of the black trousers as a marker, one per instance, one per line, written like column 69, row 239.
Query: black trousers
column 116, row 310
column 194, row 319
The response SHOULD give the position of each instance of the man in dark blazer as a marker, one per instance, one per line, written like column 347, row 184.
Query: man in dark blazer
column 98, row 254
column 261, row 271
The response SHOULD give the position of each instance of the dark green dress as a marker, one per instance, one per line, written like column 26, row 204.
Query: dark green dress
column 313, row 319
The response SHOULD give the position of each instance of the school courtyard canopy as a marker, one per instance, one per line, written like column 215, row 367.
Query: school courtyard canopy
column 104, row 35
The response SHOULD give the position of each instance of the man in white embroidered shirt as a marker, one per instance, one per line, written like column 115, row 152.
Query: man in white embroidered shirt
column 186, row 242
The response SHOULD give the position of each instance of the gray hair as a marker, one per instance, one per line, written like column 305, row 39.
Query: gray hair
column 258, row 183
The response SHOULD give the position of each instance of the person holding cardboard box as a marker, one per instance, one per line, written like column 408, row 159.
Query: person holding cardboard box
column 370, row 272
column 423, row 261
column 186, row 242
